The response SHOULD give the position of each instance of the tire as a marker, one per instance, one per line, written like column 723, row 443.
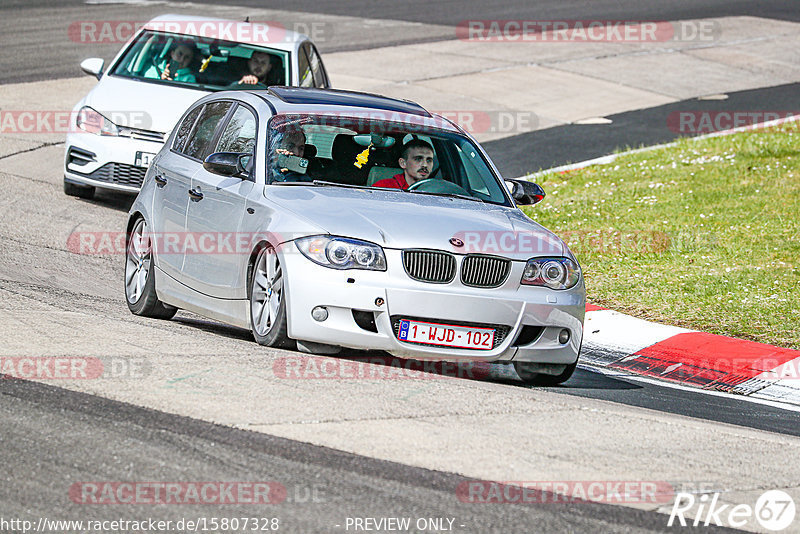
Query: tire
column 80, row 191
column 541, row 379
column 140, row 280
column 267, row 303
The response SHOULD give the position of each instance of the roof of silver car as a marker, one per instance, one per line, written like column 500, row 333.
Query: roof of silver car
column 336, row 97
column 311, row 101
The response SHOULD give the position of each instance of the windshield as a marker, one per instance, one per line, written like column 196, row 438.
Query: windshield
column 208, row 63
column 387, row 154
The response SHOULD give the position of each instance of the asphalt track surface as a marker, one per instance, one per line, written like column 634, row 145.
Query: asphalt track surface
column 571, row 143
column 451, row 12
column 52, row 437
column 323, row 486
column 38, row 49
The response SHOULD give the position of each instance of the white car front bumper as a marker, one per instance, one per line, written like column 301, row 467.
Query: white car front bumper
column 106, row 162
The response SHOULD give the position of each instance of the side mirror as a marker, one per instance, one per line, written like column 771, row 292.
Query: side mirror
column 228, row 163
column 525, row 193
column 93, row 66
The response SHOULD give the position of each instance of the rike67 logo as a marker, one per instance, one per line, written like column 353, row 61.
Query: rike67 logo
column 774, row 510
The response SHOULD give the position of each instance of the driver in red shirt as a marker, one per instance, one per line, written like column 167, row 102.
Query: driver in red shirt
column 416, row 160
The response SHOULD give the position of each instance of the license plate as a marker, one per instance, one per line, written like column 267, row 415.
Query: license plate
column 143, row 159
column 463, row 337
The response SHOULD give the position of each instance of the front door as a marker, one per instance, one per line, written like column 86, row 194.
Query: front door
column 214, row 221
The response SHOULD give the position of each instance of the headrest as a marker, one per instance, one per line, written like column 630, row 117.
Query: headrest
column 344, row 149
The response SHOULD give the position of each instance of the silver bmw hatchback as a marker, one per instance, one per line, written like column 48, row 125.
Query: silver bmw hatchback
column 324, row 219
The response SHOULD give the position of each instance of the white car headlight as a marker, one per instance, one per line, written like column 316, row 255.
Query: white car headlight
column 91, row 121
column 555, row 273
column 342, row 252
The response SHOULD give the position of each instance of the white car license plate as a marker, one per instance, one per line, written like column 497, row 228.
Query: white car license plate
column 143, row 159
column 463, row 337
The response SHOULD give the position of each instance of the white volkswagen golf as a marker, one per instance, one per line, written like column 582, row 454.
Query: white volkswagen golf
column 171, row 62
column 332, row 219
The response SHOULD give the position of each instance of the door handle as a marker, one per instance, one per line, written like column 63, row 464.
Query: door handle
column 160, row 180
column 195, row 194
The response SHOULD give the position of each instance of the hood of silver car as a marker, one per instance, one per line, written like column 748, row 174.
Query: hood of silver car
column 403, row 220
column 138, row 104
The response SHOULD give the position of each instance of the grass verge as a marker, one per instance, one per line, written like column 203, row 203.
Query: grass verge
column 704, row 234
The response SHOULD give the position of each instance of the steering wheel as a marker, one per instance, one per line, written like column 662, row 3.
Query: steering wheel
column 435, row 185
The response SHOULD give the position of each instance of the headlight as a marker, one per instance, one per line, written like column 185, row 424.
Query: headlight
column 91, row 121
column 342, row 253
column 555, row 273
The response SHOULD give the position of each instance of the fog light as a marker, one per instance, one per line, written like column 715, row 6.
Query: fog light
column 320, row 313
column 563, row 336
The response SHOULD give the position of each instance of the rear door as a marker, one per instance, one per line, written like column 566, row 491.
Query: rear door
column 215, row 220
column 186, row 159
column 172, row 175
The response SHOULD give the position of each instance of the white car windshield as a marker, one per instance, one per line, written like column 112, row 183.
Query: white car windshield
column 411, row 156
column 212, row 64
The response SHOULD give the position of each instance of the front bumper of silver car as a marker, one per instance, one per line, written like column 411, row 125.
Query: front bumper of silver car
column 364, row 309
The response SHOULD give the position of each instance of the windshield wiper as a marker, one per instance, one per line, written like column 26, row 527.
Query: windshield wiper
column 351, row 186
column 450, row 195
column 321, row 182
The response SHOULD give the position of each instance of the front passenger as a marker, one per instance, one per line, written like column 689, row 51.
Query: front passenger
column 416, row 160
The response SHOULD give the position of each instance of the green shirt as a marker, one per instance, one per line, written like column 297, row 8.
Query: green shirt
column 180, row 75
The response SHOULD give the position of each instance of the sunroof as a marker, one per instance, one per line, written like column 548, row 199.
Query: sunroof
column 334, row 97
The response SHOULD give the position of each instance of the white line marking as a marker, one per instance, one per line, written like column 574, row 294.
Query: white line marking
column 606, row 372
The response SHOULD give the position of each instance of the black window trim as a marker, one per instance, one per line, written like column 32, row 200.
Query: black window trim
column 302, row 53
column 304, row 48
column 224, row 124
column 322, row 68
column 214, row 137
column 191, row 130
